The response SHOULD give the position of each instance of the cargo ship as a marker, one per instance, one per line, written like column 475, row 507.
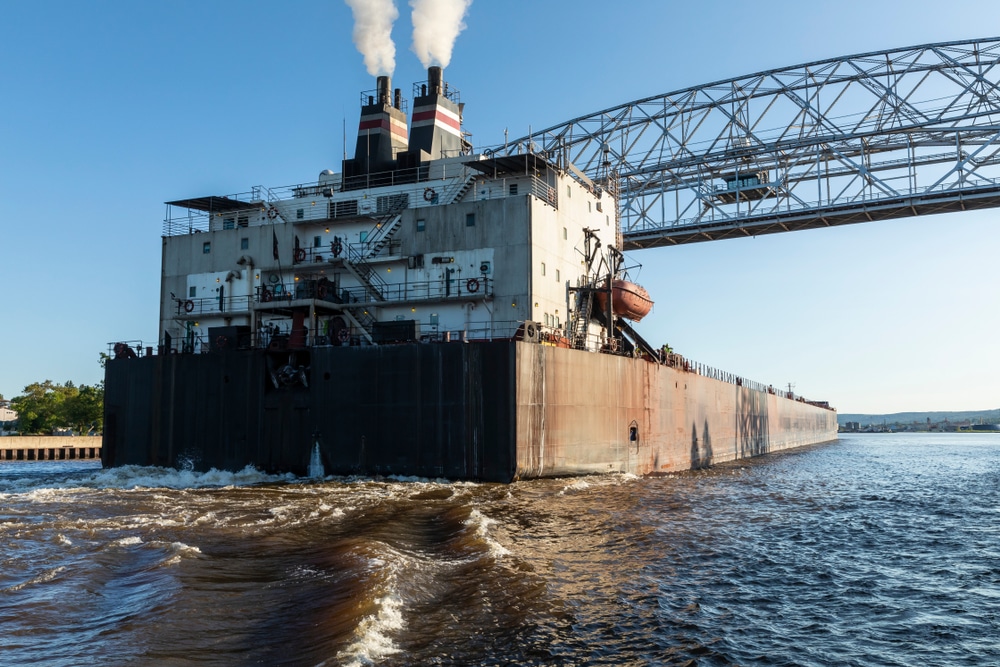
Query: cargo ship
column 429, row 311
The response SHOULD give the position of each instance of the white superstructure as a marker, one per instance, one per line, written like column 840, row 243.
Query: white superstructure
column 425, row 241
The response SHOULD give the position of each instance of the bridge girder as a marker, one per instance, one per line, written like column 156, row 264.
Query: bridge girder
column 879, row 135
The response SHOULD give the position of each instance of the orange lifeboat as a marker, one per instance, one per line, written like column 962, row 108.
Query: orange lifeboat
column 629, row 300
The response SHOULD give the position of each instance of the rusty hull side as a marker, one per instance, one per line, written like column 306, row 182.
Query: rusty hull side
column 574, row 411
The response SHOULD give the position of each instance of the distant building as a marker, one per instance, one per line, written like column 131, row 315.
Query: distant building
column 8, row 418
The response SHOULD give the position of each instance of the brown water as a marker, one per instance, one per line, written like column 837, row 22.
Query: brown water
column 877, row 550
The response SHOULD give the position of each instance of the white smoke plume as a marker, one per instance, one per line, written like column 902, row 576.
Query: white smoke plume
column 373, row 21
column 436, row 24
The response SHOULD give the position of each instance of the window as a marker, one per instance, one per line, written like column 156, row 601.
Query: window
column 242, row 221
column 317, row 241
column 206, row 247
column 513, row 189
column 244, row 243
column 607, row 220
column 569, row 191
column 470, row 219
column 543, row 268
column 362, row 237
column 300, row 213
column 434, row 319
column 192, row 292
column 565, row 234
column 589, row 209
column 228, row 223
column 421, row 224
column 392, row 203
column 557, row 275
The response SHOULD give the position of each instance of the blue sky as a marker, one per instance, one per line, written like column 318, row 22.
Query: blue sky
column 108, row 109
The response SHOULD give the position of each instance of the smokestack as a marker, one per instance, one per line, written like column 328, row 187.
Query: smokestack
column 384, row 85
column 382, row 135
column 434, row 77
column 436, row 121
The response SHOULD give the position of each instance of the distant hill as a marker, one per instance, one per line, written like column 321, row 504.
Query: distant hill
column 988, row 416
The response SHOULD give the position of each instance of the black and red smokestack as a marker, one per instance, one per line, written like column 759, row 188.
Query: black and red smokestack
column 381, row 133
column 436, row 122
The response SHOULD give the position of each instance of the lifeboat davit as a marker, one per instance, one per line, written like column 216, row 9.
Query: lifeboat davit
column 628, row 300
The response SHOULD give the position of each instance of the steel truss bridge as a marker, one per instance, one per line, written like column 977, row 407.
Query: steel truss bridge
column 875, row 136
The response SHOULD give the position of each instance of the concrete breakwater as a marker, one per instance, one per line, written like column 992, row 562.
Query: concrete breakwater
column 50, row 448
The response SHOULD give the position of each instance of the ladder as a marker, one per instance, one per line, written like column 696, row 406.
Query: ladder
column 581, row 318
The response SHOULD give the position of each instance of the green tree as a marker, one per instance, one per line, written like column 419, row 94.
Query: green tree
column 45, row 406
column 85, row 411
column 37, row 408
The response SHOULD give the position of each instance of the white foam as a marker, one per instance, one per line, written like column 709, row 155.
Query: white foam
column 48, row 575
column 482, row 524
column 373, row 642
column 137, row 477
column 575, row 485
column 184, row 549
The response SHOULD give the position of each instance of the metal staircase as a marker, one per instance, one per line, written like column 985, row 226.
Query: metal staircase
column 365, row 274
column 382, row 233
column 362, row 320
column 455, row 191
column 579, row 327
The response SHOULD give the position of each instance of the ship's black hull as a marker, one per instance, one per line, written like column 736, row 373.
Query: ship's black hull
column 491, row 411
column 416, row 409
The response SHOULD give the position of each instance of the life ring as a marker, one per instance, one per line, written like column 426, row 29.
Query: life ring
column 472, row 285
column 344, row 335
column 265, row 295
column 188, row 306
column 221, row 341
column 429, row 194
column 336, row 248
column 300, row 255
column 272, row 213
column 321, row 290
column 530, row 331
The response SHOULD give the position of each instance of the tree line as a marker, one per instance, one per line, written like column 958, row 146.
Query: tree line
column 44, row 407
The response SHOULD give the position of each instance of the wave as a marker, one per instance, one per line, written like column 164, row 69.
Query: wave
column 135, row 477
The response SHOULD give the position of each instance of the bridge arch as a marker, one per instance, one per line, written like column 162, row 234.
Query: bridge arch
column 874, row 136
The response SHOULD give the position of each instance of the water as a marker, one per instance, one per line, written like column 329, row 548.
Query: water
column 877, row 550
